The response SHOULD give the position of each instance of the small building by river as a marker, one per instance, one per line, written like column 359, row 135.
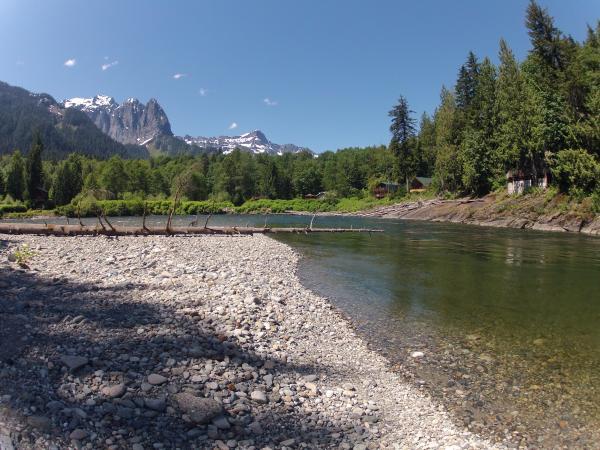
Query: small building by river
column 519, row 181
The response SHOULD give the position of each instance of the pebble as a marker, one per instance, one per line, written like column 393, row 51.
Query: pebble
column 78, row 434
column 156, row 379
column 259, row 396
column 74, row 362
column 114, row 391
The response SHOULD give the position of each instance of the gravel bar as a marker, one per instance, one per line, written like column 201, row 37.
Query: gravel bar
column 192, row 342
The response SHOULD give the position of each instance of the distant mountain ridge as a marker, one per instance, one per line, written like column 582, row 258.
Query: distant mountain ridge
column 63, row 130
column 101, row 127
column 132, row 122
column 255, row 141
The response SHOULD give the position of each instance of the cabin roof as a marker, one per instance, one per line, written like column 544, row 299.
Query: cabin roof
column 425, row 181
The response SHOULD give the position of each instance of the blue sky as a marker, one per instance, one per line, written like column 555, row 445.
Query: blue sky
column 319, row 73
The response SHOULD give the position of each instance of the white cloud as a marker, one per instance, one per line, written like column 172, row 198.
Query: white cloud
column 267, row 101
column 109, row 65
column 203, row 92
column 20, row 63
column 177, row 76
column 233, row 126
column 70, row 62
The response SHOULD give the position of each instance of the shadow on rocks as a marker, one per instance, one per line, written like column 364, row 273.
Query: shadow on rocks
column 75, row 361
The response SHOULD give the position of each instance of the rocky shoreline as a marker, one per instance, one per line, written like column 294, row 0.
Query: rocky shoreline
column 488, row 212
column 192, row 342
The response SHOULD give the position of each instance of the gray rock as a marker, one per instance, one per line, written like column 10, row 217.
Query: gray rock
column 156, row 404
column 200, row 410
column 40, row 422
column 114, row 391
column 255, row 428
column 221, row 423
column 156, row 379
column 78, row 434
column 268, row 380
column 54, row 406
column 259, row 396
column 74, row 362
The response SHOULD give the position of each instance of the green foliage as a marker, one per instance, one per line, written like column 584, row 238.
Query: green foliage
column 15, row 176
column 23, row 255
column 12, row 208
column 68, row 181
column 595, row 198
column 116, row 208
column 576, row 171
column 34, row 171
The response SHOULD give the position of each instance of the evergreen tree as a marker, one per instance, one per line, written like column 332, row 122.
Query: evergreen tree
column 114, row 177
column 466, row 84
column 68, row 180
column 15, row 177
column 2, row 183
column 34, row 170
column 545, row 37
column 426, row 148
column 402, row 144
column 479, row 147
column 448, row 169
column 512, row 123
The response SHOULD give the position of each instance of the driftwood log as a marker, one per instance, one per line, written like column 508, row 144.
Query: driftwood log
column 79, row 230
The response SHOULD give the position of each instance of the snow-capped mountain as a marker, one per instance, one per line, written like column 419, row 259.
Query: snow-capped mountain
column 255, row 141
column 128, row 123
column 147, row 125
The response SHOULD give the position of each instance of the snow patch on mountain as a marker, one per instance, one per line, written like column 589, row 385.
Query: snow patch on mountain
column 255, row 142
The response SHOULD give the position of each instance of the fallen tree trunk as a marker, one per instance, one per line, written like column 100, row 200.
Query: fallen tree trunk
column 78, row 230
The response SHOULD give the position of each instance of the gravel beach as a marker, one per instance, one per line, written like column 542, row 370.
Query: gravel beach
column 192, row 342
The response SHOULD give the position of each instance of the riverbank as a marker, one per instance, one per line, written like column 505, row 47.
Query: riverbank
column 202, row 342
column 533, row 211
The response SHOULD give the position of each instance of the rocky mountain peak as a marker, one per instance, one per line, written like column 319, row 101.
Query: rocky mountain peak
column 131, row 122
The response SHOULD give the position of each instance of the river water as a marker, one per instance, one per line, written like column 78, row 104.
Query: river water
column 507, row 321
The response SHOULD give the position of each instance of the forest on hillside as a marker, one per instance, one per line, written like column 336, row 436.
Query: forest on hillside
column 540, row 115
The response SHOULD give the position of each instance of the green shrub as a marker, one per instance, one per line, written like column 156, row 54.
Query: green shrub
column 12, row 208
column 115, row 208
column 575, row 171
column 596, row 202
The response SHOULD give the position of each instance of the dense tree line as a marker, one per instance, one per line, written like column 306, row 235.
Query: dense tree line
column 538, row 115
column 235, row 177
column 535, row 116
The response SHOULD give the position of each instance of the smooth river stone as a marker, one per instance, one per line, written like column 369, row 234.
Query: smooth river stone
column 73, row 362
column 200, row 410
column 156, row 379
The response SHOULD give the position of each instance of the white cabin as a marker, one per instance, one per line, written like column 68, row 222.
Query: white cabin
column 519, row 182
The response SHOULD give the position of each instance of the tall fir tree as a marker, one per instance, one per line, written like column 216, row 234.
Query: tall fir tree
column 402, row 144
column 479, row 149
column 466, row 84
column 68, row 180
column 545, row 37
column 34, row 169
column 15, row 177
column 512, row 126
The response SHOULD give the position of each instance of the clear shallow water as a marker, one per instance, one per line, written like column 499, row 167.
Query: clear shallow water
column 508, row 320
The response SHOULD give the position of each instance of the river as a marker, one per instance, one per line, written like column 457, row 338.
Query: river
column 501, row 325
